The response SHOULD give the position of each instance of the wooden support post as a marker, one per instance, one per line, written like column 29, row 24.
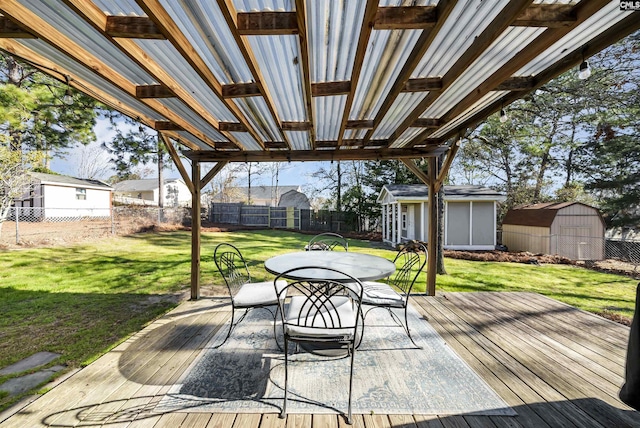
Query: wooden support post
column 432, row 241
column 195, row 231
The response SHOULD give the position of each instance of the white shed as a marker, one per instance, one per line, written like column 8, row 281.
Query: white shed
column 60, row 196
column 469, row 220
column 569, row 229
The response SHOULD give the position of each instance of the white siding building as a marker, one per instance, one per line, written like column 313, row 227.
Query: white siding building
column 59, row 196
column 146, row 192
column 470, row 215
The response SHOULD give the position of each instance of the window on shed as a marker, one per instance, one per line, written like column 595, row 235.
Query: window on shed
column 81, row 194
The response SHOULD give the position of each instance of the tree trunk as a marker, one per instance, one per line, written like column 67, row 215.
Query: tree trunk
column 339, row 190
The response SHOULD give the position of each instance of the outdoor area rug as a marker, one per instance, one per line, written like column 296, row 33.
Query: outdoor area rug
column 391, row 376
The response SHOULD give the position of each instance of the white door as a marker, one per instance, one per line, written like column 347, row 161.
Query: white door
column 411, row 222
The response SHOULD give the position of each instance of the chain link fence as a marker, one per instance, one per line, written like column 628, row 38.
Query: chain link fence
column 574, row 247
column 37, row 226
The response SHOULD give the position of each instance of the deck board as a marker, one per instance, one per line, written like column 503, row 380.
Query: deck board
column 555, row 365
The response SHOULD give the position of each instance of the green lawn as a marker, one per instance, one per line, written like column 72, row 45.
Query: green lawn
column 82, row 300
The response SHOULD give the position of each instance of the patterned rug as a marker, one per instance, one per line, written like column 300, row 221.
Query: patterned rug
column 246, row 375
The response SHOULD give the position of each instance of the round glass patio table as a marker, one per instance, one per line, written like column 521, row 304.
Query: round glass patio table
column 365, row 267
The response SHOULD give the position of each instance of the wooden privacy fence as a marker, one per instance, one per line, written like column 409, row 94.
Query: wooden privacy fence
column 281, row 217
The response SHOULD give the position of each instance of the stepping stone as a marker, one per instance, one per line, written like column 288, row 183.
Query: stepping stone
column 22, row 384
column 29, row 363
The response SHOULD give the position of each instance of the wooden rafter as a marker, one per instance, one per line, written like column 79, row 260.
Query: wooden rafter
column 480, row 43
column 359, row 124
column 325, row 89
column 11, row 30
column 176, row 161
column 443, row 10
column 136, row 27
column 531, row 51
column 363, row 40
column 405, row 18
column 424, row 84
column 230, row 15
column 232, row 127
column 426, row 122
column 153, row 91
column 297, row 126
column 96, row 18
column 625, row 27
column 303, row 37
column 547, row 15
column 166, row 24
column 48, row 33
column 518, row 83
column 267, row 23
column 165, row 125
column 240, row 90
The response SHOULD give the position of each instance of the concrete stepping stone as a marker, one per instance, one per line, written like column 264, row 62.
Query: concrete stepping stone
column 23, row 384
column 29, row 363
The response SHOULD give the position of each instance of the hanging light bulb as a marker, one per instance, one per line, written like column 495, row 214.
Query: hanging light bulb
column 68, row 97
column 503, row 114
column 585, row 71
column 140, row 128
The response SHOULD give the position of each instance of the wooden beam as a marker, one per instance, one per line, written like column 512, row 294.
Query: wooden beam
column 212, row 173
column 426, row 122
column 275, row 145
column 583, row 11
column 232, row 127
column 314, row 155
column 547, row 15
column 444, row 9
column 518, row 83
column 156, row 11
column 416, row 170
column 228, row 10
column 432, row 240
column 303, row 36
column 480, row 43
column 240, row 90
column 154, row 91
column 132, row 27
column 447, row 164
column 166, row 125
column 423, row 84
column 195, row 231
column 359, row 124
column 405, row 18
column 296, row 126
column 11, row 30
column 361, row 49
column 267, row 23
column 325, row 89
column 173, row 153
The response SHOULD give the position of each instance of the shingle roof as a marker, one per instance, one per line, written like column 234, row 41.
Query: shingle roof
column 70, row 181
column 536, row 215
column 421, row 191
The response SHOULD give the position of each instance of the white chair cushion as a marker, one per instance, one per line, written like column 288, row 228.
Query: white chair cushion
column 379, row 293
column 258, row 293
column 343, row 309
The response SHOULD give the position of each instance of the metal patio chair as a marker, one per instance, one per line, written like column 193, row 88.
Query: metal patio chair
column 320, row 315
column 245, row 294
column 327, row 241
column 394, row 293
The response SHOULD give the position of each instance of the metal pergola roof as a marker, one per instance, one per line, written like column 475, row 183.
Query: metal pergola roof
column 274, row 80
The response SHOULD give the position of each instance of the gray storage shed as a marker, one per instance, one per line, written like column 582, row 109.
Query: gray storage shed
column 569, row 229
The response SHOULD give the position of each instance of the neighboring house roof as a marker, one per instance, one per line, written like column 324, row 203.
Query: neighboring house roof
column 69, row 181
column 421, row 192
column 260, row 192
column 537, row 215
column 296, row 199
column 143, row 185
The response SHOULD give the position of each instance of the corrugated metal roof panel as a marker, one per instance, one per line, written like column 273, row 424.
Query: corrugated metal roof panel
column 258, row 114
column 408, row 135
column 400, row 109
column 80, row 32
column 246, row 140
column 185, row 111
column 163, row 52
column 326, row 110
column 184, row 135
column 387, row 52
column 120, row 7
column 261, row 5
column 334, row 28
column 299, row 140
column 279, row 59
column 204, row 25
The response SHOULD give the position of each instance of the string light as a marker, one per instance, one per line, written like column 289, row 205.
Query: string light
column 503, row 114
column 584, row 71
column 68, row 97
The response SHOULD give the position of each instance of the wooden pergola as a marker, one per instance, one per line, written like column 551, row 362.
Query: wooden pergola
column 294, row 80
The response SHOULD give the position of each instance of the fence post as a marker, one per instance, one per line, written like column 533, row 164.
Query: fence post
column 16, row 212
column 113, row 222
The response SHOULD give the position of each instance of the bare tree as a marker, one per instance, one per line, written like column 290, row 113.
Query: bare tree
column 93, row 162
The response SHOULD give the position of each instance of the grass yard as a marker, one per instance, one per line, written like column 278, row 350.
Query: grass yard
column 82, row 300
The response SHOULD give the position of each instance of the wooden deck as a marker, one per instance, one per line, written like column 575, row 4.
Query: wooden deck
column 555, row 365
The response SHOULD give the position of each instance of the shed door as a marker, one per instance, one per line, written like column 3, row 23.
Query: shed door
column 575, row 243
column 458, row 218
